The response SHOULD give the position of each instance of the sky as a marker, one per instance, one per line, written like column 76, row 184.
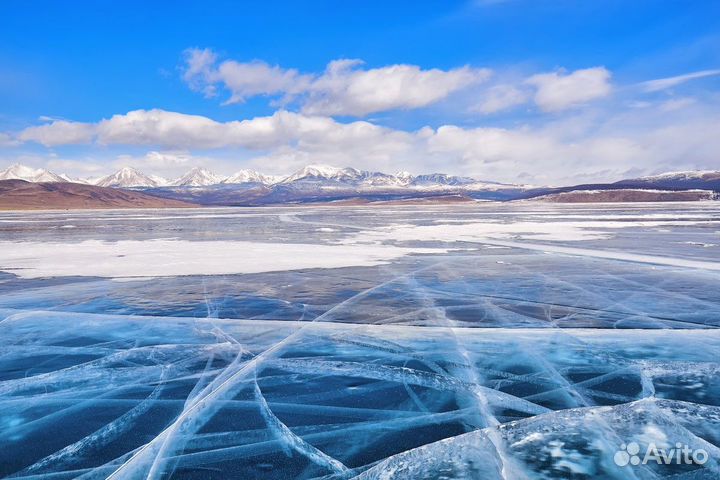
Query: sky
column 522, row 91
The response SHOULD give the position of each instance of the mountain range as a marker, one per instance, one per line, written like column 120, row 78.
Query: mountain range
column 128, row 177
column 323, row 183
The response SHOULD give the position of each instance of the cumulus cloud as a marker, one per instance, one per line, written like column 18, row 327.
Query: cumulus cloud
column 243, row 80
column 246, row 80
column 344, row 88
column 347, row 88
column 557, row 91
column 551, row 91
column 501, row 97
column 198, row 72
column 179, row 130
column 664, row 83
column 166, row 160
column 58, row 132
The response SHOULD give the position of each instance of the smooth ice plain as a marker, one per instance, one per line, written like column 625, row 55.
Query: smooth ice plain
column 484, row 341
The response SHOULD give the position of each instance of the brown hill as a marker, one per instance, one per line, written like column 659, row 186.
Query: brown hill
column 22, row 195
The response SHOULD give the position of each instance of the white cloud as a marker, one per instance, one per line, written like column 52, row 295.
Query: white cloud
column 579, row 145
column 58, row 132
column 181, row 131
column 344, row 88
column 501, row 97
column 159, row 160
column 347, row 88
column 556, row 91
column 75, row 166
column 243, row 80
column 165, row 160
column 664, row 83
column 198, row 73
column 160, row 127
column 246, row 80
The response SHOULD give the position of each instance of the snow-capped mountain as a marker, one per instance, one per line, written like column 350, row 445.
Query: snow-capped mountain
column 161, row 181
column 251, row 176
column 441, row 179
column 198, row 177
column 22, row 172
column 321, row 183
column 328, row 176
column 312, row 178
column 403, row 177
column 701, row 179
column 686, row 175
column 68, row 178
column 128, row 177
column 323, row 172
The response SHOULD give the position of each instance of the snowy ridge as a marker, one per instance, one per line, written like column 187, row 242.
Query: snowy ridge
column 318, row 182
column 251, row 176
column 322, row 171
column 315, row 176
column 128, row 177
column 326, row 176
column 198, row 177
column 683, row 175
column 22, row 172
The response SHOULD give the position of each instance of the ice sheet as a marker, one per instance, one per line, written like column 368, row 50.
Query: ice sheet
column 539, row 359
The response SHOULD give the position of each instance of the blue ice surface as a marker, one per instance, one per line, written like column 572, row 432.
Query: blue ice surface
column 480, row 363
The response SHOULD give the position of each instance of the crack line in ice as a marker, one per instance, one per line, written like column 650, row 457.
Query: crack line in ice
column 411, row 376
column 106, row 434
column 201, row 411
column 292, row 441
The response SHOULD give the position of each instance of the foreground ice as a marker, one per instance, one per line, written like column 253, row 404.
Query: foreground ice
column 98, row 396
column 472, row 359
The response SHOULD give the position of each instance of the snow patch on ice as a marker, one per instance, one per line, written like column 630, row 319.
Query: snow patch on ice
column 167, row 257
column 477, row 231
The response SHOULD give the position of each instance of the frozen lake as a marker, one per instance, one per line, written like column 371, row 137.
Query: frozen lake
column 467, row 341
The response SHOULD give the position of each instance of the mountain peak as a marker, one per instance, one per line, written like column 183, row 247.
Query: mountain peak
column 319, row 171
column 23, row 172
column 404, row 176
column 198, row 177
column 249, row 176
column 128, row 177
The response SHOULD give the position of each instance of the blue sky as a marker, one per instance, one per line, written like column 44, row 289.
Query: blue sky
column 516, row 90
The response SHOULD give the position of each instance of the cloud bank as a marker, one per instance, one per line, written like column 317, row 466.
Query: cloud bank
column 344, row 88
column 556, row 91
column 591, row 149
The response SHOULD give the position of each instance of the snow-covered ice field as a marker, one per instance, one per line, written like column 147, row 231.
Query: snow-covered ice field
column 467, row 341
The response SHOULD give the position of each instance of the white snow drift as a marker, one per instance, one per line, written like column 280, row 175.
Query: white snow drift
column 167, row 257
